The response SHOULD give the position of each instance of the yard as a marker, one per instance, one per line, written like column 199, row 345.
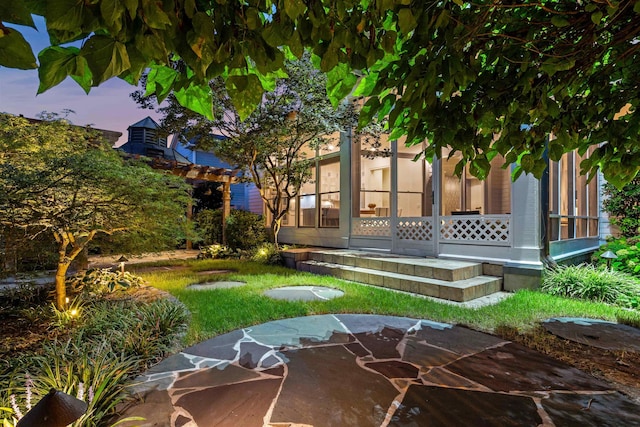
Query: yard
column 517, row 318
column 217, row 311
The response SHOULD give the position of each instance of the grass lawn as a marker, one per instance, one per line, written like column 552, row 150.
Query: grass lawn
column 219, row 311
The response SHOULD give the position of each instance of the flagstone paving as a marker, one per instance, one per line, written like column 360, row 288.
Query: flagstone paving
column 595, row 333
column 304, row 293
column 225, row 284
column 369, row 370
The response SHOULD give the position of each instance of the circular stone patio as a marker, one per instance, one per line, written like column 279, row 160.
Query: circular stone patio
column 368, row 370
column 304, row 293
column 215, row 285
column 595, row 333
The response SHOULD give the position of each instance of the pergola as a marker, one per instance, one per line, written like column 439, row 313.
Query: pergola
column 194, row 173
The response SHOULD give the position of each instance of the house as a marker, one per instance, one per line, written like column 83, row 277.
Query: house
column 378, row 199
column 244, row 196
column 146, row 138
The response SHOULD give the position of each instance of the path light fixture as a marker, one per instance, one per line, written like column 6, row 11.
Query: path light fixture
column 56, row 409
column 122, row 260
column 609, row 256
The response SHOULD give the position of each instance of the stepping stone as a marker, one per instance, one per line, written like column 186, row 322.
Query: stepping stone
column 215, row 285
column 304, row 293
column 207, row 272
column 595, row 333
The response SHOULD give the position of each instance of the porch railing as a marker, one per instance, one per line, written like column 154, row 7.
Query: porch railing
column 418, row 228
column 465, row 229
column 371, row 227
column 488, row 229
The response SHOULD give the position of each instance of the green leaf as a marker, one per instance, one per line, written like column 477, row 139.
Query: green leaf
column 106, row 58
column 245, row 93
column 340, row 81
column 56, row 63
column 154, row 16
column 559, row 21
column 252, row 17
column 636, row 7
column 160, row 81
column 15, row 52
column 112, row 11
column 196, row 98
column 406, row 20
column 294, row 8
column 16, row 12
column 82, row 74
column 132, row 7
column 65, row 15
column 596, row 17
column 527, row 161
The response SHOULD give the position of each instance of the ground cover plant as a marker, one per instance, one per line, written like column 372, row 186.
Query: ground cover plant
column 593, row 283
column 627, row 251
column 89, row 349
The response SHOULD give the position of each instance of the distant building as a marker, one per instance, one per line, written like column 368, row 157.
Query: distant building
column 147, row 138
column 244, row 196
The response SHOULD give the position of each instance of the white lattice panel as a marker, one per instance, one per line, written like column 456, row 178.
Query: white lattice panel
column 414, row 229
column 489, row 229
column 371, row 227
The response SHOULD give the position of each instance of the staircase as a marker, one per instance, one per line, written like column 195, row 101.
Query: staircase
column 452, row 280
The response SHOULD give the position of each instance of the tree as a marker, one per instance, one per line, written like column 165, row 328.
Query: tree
column 66, row 181
column 623, row 205
column 273, row 143
column 483, row 77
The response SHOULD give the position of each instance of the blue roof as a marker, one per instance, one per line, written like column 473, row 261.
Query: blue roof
column 147, row 123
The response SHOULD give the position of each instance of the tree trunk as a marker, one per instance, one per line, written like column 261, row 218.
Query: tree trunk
column 61, row 272
column 275, row 226
column 61, row 289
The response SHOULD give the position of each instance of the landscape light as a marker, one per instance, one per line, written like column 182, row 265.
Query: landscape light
column 56, row 409
column 609, row 255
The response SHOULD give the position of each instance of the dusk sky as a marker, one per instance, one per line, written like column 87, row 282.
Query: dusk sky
column 106, row 107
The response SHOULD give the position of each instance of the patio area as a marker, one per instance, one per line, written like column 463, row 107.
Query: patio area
column 369, row 370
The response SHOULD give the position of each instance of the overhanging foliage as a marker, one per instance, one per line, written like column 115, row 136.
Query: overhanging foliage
column 464, row 74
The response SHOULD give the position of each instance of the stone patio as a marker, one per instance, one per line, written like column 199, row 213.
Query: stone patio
column 368, row 370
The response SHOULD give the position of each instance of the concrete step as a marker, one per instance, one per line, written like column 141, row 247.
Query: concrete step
column 440, row 269
column 459, row 290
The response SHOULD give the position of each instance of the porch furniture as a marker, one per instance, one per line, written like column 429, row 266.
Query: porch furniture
column 382, row 211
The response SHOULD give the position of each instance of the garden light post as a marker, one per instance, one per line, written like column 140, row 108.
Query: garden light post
column 609, row 256
column 56, row 409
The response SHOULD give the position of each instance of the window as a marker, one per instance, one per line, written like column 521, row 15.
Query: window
column 413, row 178
column 468, row 194
column 372, row 179
column 307, row 202
column 573, row 202
column 329, row 187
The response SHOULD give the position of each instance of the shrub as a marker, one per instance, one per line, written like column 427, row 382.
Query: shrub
column 245, row 230
column 623, row 206
column 267, row 254
column 103, row 280
column 592, row 283
column 110, row 342
column 628, row 252
column 216, row 251
column 209, row 225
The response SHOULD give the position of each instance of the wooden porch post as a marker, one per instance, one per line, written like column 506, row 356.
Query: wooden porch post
column 189, row 243
column 226, row 208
